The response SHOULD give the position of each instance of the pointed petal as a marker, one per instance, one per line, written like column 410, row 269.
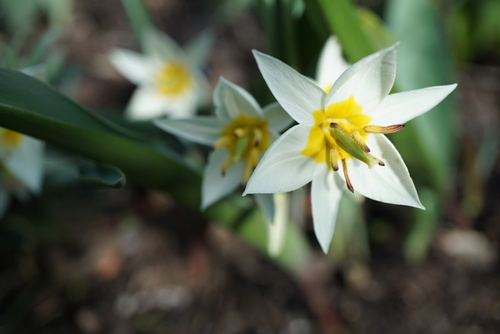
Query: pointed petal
column 369, row 80
column 331, row 64
column 399, row 108
column 133, row 66
column 326, row 192
column 162, row 48
column 231, row 100
column 201, row 130
column 215, row 185
column 278, row 118
column 283, row 168
column 390, row 183
column 197, row 50
column 298, row 95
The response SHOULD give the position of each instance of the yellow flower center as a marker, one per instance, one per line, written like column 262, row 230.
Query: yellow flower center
column 10, row 139
column 245, row 138
column 340, row 133
column 173, row 79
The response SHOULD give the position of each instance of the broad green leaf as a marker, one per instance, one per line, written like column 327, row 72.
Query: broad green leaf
column 32, row 107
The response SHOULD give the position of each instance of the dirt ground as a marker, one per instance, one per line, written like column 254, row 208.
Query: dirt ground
column 134, row 261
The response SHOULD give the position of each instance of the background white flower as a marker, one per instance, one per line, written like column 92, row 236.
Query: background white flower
column 341, row 130
column 169, row 79
column 21, row 166
column 239, row 133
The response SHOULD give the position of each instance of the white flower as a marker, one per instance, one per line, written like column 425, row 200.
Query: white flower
column 339, row 139
column 21, row 166
column 169, row 78
column 239, row 133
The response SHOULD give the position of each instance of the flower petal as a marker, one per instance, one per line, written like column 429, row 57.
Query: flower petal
column 197, row 50
column 399, row 108
column 231, row 100
column 331, row 64
column 298, row 95
column 26, row 163
column 215, row 185
column 266, row 204
column 146, row 103
column 326, row 192
column 283, row 168
column 162, row 48
column 390, row 183
column 368, row 81
column 278, row 118
column 201, row 130
column 132, row 65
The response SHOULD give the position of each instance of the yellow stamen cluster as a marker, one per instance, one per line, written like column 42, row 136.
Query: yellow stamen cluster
column 245, row 138
column 173, row 79
column 340, row 134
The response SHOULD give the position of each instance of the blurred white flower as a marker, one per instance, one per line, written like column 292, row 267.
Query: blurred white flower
column 21, row 166
column 169, row 79
column 239, row 133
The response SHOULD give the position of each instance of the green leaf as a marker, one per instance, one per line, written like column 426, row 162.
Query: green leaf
column 343, row 22
column 424, row 60
column 101, row 175
column 32, row 107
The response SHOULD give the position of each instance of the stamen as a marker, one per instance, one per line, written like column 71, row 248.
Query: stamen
column 360, row 141
column 383, row 129
column 334, row 158
column 222, row 141
column 225, row 165
column 381, row 163
column 257, row 137
column 250, row 164
column 346, row 175
column 240, row 132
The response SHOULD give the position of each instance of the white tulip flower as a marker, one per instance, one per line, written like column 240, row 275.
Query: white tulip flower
column 339, row 142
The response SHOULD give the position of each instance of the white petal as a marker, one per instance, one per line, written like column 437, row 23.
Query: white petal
column 369, row 80
column 278, row 228
column 202, row 130
column 133, row 66
column 231, row 100
column 283, row 168
column 331, row 64
column 401, row 107
column 278, row 118
column 146, row 103
column 198, row 49
column 298, row 95
column 215, row 185
column 26, row 163
column 390, row 183
column 162, row 48
column 326, row 192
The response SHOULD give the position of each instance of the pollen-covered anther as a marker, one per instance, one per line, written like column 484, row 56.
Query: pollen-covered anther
column 383, row 129
column 257, row 135
column 334, row 158
column 222, row 141
column 381, row 163
column 240, row 132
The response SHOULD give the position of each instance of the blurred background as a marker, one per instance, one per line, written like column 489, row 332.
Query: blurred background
column 85, row 259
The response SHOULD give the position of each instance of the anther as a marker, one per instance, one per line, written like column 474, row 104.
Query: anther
column 346, row 175
column 381, row 163
column 334, row 157
column 383, row 129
